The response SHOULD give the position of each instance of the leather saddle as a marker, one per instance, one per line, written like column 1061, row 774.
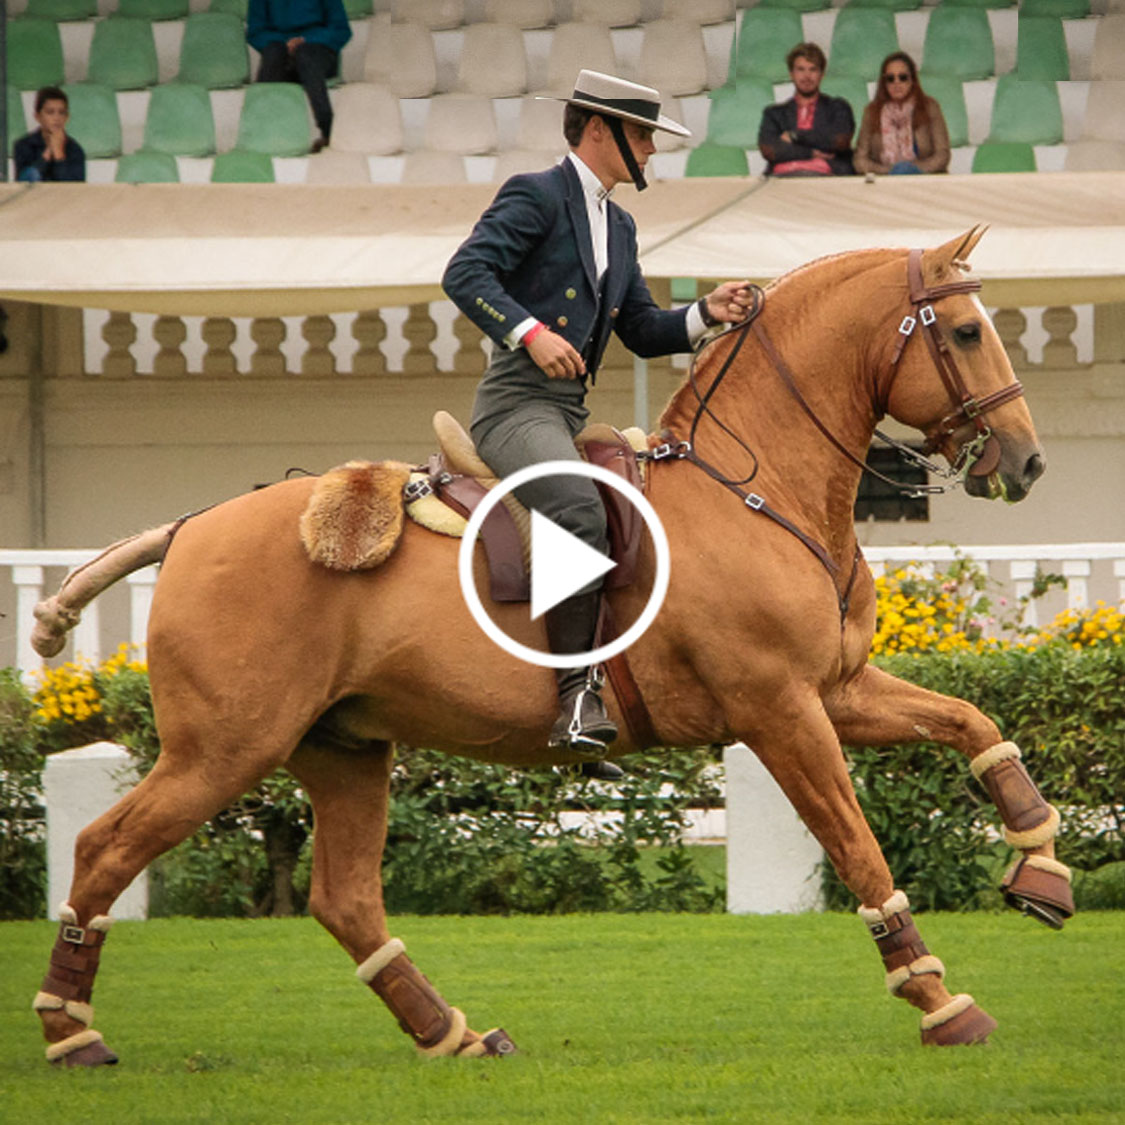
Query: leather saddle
column 458, row 477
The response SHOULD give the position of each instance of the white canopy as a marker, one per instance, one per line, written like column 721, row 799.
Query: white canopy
column 277, row 249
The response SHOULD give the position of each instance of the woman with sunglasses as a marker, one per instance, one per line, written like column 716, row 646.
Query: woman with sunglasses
column 903, row 130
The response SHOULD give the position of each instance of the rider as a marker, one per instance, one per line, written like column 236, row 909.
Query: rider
column 549, row 269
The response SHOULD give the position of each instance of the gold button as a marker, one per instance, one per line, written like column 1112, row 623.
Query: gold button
column 614, row 312
column 562, row 322
column 571, row 294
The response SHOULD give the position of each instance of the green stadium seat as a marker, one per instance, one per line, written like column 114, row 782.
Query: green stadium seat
column 996, row 156
column 35, row 54
column 717, row 160
column 1026, row 111
column 179, row 121
column 765, row 37
column 17, row 121
column 275, row 120
column 235, row 7
column 891, row 5
column 949, row 93
column 1041, row 48
column 147, row 168
column 61, row 11
column 1064, row 9
column 979, row 3
column 959, row 43
column 852, row 90
column 358, row 9
column 123, row 54
column 153, row 9
column 797, row 5
column 237, row 167
column 213, row 52
column 736, row 112
column 94, row 121
column 861, row 39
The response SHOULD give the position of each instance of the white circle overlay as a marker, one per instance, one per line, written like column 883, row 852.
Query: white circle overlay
column 570, row 659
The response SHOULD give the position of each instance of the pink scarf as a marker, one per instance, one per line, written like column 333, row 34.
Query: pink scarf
column 897, row 124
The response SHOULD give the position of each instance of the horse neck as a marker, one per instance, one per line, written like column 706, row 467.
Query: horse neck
column 834, row 339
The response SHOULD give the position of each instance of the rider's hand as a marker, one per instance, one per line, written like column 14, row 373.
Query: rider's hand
column 730, row 302
column 555, row 355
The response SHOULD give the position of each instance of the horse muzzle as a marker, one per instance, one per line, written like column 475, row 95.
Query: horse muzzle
column 1005, row 469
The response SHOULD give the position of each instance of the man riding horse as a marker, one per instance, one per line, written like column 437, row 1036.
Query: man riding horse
column 547, row 272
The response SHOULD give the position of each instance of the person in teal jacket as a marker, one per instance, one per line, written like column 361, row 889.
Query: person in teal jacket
column 300, row 41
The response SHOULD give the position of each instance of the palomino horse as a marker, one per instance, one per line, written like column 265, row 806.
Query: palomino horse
column 260, row 658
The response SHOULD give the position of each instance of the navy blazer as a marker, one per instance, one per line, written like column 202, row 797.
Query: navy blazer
column 531, row 254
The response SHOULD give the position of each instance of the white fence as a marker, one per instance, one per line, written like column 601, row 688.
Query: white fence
column 1093, row 571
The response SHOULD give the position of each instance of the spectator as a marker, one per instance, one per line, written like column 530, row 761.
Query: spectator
column 903, row 130
column 47, row 153
column 300, row 41
column 811, row 133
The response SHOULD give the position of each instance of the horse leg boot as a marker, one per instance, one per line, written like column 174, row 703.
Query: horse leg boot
column 583, row 724
column 63, row 1001
column 1036, row 883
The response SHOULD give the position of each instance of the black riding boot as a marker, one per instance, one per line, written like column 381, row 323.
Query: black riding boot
column 582, row 724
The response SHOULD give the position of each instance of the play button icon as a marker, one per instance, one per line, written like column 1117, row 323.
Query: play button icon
column 561, row 564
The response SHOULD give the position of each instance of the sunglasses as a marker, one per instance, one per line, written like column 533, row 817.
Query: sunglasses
column 891, row 78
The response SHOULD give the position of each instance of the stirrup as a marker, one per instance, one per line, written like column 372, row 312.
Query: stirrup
column 590, row 740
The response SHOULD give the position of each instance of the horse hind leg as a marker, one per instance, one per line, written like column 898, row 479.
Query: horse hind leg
column 877, row 709
column 806, row 761
column 349, row 790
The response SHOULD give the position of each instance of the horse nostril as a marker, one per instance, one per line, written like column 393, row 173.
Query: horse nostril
column 1033, row 470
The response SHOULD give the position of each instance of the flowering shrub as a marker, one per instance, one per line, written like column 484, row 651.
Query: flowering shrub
column 1102, row 625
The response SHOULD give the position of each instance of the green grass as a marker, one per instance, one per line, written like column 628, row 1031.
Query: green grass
column 620, row 1018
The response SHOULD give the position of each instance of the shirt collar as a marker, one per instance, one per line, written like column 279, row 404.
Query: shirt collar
column 593, row 187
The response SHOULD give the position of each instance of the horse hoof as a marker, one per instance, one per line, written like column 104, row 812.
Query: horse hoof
column 84, row 1049
column 960, row 1021
column 493, row 1044
column 1040, row 889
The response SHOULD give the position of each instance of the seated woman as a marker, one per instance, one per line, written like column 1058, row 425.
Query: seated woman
column 903, row 130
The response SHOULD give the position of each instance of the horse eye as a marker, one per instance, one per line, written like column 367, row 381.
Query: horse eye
column 967, row 333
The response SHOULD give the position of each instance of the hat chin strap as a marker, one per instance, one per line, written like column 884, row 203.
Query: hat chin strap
column 617, row 128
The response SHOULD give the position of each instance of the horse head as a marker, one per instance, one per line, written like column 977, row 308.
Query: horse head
column 973, row 412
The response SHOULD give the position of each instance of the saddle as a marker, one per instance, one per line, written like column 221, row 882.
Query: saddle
column 443, row 495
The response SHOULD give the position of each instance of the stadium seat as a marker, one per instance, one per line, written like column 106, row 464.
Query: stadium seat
column 1104, row 120
column 610, row 13
column 765, row 37
column 736, row 112
column 17, row 120
column 429, row 167
column 540, row 126
column 367, row 119
column 514, row 160
column 671, row 107
column 861, row 39
column 275, row 120
column 988, row 4
column 61, row 11
column 797, row 5
column 949, row 93
column 330, row 167
column 1026, row 112
column 147, row 168
column 852, row 90
column 1041, row 48
column 237, row 7
column 524, row 14
column 892, row 5
column 717, row 160
column 153, row 9
column 401, row 56
column 493, row 62
column 673, row 57
column 213, row 52
column 1108, row 59
column 699, row 11
column 238, row 167
column 997, row 156
column 123, row 54
column 94, row 121
column 1063, row 9
column 461, row 124
column 434, row 14
column 959, row 43
column 35, row 54
column 179, row 121
column 358, row 9
column 1095, row 156
column 575, row 47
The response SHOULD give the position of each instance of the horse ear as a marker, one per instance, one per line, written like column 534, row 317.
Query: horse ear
column 939, row 262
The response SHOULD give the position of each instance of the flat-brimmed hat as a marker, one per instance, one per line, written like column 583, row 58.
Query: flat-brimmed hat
column 627, row 100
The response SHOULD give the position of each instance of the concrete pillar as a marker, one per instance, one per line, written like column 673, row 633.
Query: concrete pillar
column 773, row 862
column 79, row 785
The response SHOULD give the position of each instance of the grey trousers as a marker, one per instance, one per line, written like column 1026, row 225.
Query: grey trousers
column 520, row 418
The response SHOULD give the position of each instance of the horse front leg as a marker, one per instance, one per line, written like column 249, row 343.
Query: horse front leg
column 350, row 792
column 805, row 758
column 877, row 709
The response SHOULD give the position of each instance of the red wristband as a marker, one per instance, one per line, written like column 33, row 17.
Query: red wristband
column 532, row 332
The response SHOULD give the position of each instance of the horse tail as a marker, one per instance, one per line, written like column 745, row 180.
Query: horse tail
column 57, row 615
